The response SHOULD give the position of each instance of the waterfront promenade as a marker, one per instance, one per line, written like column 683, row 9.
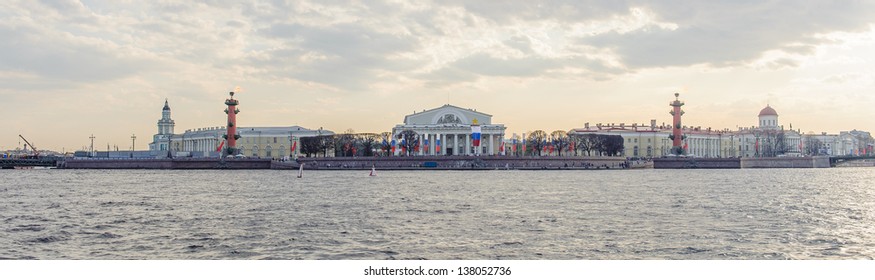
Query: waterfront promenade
column 346, row 163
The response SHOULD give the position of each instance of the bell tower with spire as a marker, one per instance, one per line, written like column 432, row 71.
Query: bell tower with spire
column 166, row 124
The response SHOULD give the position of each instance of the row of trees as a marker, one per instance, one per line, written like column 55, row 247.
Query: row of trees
column 537, row 143
column 347, row 144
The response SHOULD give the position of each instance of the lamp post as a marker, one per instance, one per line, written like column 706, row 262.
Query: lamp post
column 133, row 142
column 92, row 145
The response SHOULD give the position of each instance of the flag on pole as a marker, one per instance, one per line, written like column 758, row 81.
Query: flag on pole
column 437, row 145
column 393, row 146
column 475, row 135
column 524, row 144
column 219, row 149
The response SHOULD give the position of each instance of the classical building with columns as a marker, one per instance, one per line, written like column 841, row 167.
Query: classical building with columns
column 450, row 126
column 262, row 142
column 768, row 139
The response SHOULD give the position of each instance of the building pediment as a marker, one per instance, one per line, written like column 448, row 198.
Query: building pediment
column 447, row 115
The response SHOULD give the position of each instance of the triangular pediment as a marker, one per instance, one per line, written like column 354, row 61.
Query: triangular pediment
column 448, row 114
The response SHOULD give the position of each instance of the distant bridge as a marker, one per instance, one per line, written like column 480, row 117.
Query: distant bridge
column 839, row 159
column 9, row 163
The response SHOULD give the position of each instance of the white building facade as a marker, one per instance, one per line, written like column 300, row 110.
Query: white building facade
column 451, row 127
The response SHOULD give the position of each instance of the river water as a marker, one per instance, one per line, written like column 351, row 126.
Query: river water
column 607, row 214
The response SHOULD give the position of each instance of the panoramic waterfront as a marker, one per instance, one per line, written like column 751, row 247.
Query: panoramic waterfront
column 269, row 214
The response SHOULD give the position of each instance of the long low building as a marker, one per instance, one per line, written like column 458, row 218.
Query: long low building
column 768, row 139
column 260, row 142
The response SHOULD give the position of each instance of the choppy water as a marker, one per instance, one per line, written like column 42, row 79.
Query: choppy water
column 265, row 214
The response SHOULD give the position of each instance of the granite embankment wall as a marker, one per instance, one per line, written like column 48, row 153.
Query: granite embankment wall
column 736, row 163
column 786, row 162
column 455, row 163
column 185, row 163
column 696, row 163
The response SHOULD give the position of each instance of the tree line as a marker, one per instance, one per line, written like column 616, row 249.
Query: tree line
column 537, row 143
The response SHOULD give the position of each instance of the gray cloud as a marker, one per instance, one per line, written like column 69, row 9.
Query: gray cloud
column 732, row 32
column 350, row 45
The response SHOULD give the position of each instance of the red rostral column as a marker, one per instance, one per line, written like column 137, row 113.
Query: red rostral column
column 677, row 136
column 231, row 136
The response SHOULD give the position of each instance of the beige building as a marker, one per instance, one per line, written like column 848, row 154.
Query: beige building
column 640, row 140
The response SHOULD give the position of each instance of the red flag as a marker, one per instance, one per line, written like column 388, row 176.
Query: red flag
column 294, row 145
column 685, row 145
column 219, row 149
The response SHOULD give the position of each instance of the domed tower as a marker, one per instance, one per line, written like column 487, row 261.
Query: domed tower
column 768, row 118
column 165, row 124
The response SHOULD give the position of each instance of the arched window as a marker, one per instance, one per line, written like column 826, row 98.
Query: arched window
column 267, row 151
column 242, row 150
column 254, row 151
column 282, row 151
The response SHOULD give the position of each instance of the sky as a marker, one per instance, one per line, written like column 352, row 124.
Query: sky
column 71, row 69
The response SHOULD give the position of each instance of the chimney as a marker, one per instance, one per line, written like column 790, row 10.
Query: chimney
column 653, row 124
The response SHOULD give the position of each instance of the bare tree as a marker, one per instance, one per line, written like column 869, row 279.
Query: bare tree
column 516, row 140
column 409, row 140
column 368, row 141
column 588, row 143
column 537, row 139
column 386, row 142
column 325, row 142
column 345, row 144
column 574, row 140
column 559, row 139
column 812, row 146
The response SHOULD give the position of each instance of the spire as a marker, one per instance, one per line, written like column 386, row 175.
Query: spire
column 166, row 106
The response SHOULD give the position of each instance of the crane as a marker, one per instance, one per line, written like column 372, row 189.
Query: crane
column 35, row 151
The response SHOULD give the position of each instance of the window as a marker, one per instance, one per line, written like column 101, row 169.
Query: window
column 274, row 139
column 254, row 151
column 649, row 151
column 635, row 151
column 267, row 151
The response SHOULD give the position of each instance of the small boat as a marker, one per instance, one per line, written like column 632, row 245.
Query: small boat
column 373, row 171
column 301, row 170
